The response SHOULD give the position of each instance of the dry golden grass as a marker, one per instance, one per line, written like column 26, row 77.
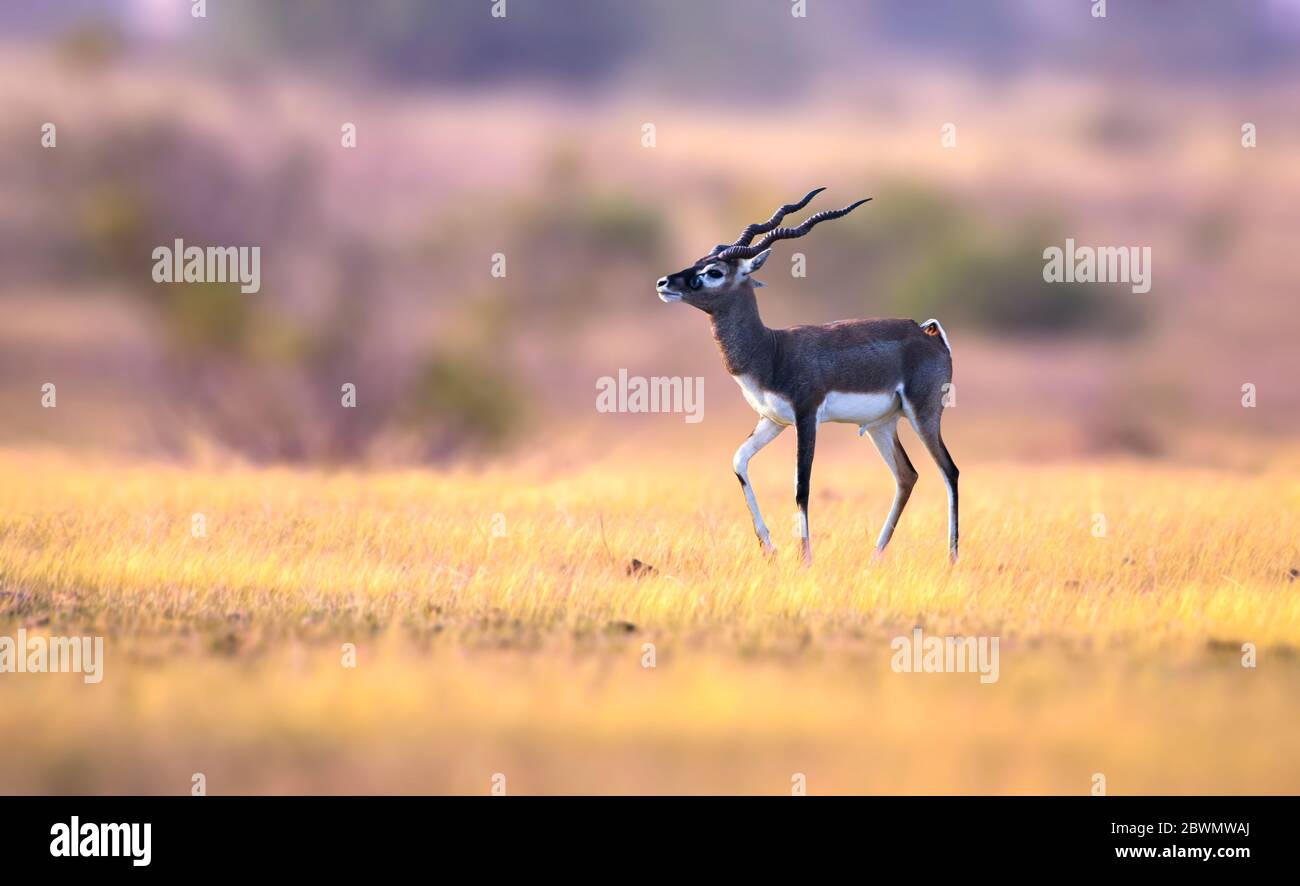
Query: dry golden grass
column 521, row 653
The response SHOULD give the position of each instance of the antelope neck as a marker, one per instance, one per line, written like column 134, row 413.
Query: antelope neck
column 747, row 345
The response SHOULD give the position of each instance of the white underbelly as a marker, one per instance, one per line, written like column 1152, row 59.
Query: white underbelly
column 857, row 409
column 851, row 408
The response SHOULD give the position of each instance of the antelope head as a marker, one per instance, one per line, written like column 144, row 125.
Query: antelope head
column 711, row 280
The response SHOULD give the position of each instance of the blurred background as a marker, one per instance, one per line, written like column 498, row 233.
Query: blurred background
column 527, row 136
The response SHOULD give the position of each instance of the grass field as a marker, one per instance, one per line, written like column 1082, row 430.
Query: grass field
column 498, row 630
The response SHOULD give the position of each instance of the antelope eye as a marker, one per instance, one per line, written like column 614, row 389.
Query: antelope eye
column 715, row 274
column 696, row 282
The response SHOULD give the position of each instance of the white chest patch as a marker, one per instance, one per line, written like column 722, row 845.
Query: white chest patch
column 765, row 403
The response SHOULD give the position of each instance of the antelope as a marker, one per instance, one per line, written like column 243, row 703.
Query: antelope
column 864, row 372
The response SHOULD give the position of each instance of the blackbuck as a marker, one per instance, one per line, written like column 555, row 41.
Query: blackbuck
column 863, row 372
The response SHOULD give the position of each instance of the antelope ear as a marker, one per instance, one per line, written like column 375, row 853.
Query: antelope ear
column 750, row 265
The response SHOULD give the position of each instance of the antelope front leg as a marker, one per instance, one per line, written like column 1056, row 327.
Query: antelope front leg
column 806, row 427
column 764, row 433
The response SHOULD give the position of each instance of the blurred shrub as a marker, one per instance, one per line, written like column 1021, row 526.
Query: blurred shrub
column 579, row 245
column 113, row 220
column 621, row 226
column 206, row 318
column 997, row 284
column 1211, row 233
column 926, row 255
column 260, row 373
column 90, row 45
column 594, row 226
column 465, row 397
column 1119, row 128
column 904, row 223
